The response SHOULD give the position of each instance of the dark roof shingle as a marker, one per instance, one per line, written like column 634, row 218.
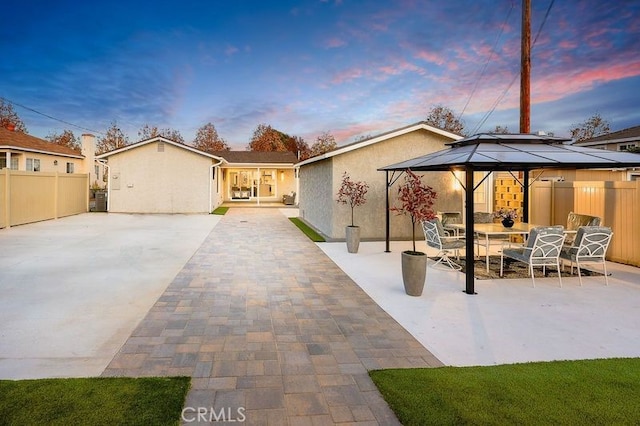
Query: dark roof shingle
column 269, row 157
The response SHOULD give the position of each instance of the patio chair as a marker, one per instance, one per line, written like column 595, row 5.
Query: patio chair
column 575, row 221
column 289, row 199
column 589, row 247
column 542, row 248
column 484, row 217
column 451, row 218
column 435, row 236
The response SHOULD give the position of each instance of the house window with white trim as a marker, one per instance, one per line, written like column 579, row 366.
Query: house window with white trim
column 626, row 146
column 14, row 163
column 33, row 165
column 70, row 167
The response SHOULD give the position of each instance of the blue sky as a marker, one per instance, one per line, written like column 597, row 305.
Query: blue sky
column 351, row 68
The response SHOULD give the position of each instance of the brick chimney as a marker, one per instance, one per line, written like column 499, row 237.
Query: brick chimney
column 10, row 126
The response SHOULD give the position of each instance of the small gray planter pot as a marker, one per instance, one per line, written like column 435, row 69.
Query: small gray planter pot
column 353, row 238
column 414, row 272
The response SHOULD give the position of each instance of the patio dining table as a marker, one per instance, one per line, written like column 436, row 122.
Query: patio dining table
column 487, row 230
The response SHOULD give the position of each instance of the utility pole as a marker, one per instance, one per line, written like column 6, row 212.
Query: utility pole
column 525, row 69
column 525, row 94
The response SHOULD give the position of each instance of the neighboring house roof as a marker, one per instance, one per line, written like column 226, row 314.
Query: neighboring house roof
column 422, row 125
column 23, row 142
column 158, row 139
column 258, row 157
column 631, row 134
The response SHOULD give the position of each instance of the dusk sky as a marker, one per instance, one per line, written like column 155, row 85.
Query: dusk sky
column 351, row 68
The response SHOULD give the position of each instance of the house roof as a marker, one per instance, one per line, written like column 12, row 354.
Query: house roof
column 23, row 142
column 422, row 125
column 258, row 157
column 630, row 134
column 157, row 139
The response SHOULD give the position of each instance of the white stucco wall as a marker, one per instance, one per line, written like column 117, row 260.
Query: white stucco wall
column 144, row 180
column 322, row 211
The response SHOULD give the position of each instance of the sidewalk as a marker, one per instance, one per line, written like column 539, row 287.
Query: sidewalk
column 269, row 326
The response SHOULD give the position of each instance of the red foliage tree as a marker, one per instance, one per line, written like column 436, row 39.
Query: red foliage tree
column 416, row 200
column 352, row 193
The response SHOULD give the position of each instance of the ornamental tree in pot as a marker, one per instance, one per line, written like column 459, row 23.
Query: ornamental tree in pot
column 416, row 201
column 353, row 194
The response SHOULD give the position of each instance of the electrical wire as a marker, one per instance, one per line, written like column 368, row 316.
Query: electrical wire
column 486, row 64
column 50, row 117
column 501, row 97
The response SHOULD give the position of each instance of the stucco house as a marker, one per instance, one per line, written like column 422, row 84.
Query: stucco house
column 158, row 175
column 257, row 177
column 320, row 179
column 622, row 140
column 23, row 152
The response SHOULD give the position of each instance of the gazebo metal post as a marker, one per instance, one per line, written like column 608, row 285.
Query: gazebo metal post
column 388, row 185
column 468, row 231
column 525, row 196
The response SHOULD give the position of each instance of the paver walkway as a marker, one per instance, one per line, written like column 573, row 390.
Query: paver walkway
column 271, row 330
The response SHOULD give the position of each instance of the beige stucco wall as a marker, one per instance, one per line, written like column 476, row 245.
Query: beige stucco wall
column 143, row 180
column 47, row 162
column 321, row 180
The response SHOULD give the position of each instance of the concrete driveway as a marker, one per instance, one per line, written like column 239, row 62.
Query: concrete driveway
column 72, row 290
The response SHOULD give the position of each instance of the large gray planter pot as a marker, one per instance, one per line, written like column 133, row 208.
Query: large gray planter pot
column 353, row 238
column 414, row 272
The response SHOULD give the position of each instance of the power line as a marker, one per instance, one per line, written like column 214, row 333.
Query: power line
column 495, row 104
column 486, row 64
column 49, row 116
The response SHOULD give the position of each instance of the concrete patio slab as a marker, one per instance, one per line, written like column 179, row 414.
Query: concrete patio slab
column 73, row 289
column 507, row 321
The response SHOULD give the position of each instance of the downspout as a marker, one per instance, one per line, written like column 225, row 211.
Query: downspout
column 106, row 166
column 211, row 183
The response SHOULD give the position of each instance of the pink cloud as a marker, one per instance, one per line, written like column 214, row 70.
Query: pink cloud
column 334, row 42
column 433, row 57
column 347, row 75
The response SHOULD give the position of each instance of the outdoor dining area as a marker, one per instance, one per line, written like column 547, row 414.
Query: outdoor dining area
column 580, row 243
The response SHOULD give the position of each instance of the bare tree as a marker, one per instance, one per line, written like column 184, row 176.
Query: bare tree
column 590, row 128
column 499, row 130
column 444, row 118
column 8, row 115
column 148, row 132
column 113, row 139
column 324, row 143
column 67, row 138
column 208, row 140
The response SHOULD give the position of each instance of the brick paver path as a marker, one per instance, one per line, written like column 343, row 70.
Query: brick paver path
column 270, row 330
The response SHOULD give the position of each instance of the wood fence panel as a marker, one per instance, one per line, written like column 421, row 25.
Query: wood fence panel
column 73, row 190
column 4, row 199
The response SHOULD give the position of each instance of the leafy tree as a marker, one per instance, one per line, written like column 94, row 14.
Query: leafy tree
column 8, row 115
column 67, row 138
column 148, row 132
column 208, row 140
column 298, row 146
column 444, row 118
column 324, row 143
column 590, row 128
column 499, row 130
column 113, row 139
column 352, row 193
column 266, row 138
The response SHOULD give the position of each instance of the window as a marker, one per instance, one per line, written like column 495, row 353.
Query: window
column 69, row 167
column 33, row 165
column 14, row 163
column 626, row 146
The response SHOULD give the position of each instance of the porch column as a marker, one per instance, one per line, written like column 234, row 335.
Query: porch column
column 258, row 184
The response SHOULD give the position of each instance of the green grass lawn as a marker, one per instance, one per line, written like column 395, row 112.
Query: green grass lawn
column 589, row 392
column 313, row 235
column 93, row 401
column 221, row 211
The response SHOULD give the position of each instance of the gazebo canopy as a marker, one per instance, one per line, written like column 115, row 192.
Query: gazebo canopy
column 508, row 152
column 516, row 152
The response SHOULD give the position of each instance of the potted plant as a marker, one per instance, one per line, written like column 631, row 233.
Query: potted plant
column 353, row 194
column 416, row 201
column 508, row 216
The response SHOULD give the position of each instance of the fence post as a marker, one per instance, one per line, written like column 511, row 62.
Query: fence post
column 7, row 197
column 56, row 194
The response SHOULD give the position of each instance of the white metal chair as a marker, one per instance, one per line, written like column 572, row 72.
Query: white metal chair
column 541, row 249
column 435, row 236
column 451, row 218
column 589, row 247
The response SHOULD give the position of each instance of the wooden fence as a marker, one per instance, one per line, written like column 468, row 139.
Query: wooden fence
column 616, row 203
column 27, row 197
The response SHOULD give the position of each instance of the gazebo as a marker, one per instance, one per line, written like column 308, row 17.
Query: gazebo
column 505, row 152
